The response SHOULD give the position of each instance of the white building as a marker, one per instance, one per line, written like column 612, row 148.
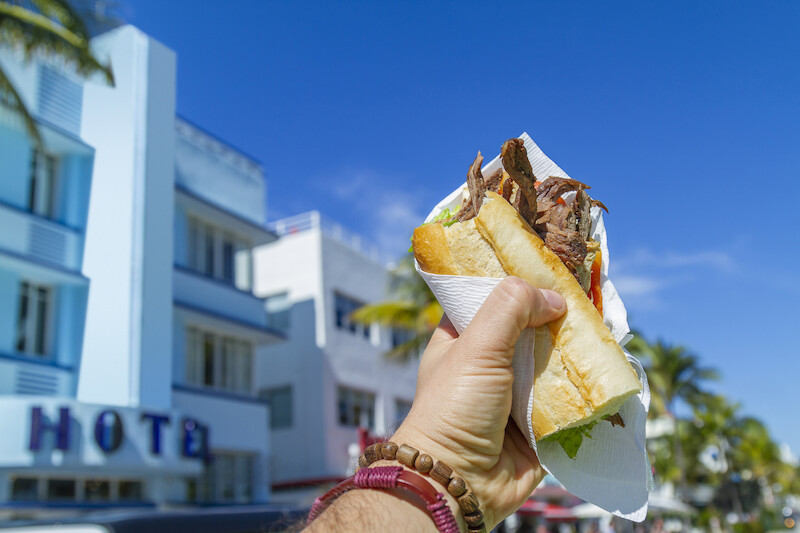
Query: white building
column 330, row 376
column 141, row 390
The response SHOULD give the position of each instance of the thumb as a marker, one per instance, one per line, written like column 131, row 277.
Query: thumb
column 510, row 308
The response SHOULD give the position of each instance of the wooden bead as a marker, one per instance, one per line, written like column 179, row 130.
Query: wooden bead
column 481, row 528
column 424, row 463
column 369, row 453
column 474, row 519
column 362, row 461
column 389, row 450
column 457, row 486
column 406, row 455
column 441, row 473
column 378, row 448
column 468, row 503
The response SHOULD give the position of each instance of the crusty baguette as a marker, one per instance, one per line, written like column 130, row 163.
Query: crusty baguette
column 580, row 372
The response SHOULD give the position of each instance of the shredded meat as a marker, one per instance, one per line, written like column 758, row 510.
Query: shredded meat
column 615, row 419
column 516, row 163
column 564, row 227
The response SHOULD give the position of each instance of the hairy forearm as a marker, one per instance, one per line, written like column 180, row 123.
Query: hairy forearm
column 373, row 510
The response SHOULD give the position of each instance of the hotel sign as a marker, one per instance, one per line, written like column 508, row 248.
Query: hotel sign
column 110, row 431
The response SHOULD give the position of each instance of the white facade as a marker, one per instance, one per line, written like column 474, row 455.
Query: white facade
column 145, row 389
column 329, row 378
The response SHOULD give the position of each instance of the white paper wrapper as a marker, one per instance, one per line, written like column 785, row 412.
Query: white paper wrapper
column 611, row 469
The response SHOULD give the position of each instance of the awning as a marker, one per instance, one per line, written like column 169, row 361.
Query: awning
column 556, row 513
column 549, row 511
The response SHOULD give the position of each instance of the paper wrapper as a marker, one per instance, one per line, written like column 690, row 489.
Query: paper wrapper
column 611, row 469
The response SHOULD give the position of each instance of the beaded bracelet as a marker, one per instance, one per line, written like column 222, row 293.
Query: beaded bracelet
column 390, row 477
column 438, row 471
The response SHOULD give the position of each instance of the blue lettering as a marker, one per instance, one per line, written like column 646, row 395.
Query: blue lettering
column 39, row 425
column 108, row 431
column 155, row 438
column 195, row 440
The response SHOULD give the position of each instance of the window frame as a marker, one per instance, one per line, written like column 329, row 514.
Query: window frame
column 42, row 184
column 34, row 330
column 218, row 361
column 218, row 252
column 357, row 403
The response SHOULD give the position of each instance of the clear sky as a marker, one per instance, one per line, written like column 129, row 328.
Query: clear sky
column 683, row 116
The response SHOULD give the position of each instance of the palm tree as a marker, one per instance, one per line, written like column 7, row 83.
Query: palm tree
column 674, row 375
column 412, row 311
column 52, row 29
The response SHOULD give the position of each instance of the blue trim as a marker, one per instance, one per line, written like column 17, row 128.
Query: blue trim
column 182, row 189
column 50, row 504
column 218, row 281
column 221, row 140
column 207, row 391
column 24, row 359
column 41, row 218
column 44, row 263
column 232, row 320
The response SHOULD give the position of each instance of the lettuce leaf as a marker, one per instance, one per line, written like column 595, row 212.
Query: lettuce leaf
column 572, row 438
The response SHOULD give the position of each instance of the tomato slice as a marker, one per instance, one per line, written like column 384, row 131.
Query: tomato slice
column 595, row 294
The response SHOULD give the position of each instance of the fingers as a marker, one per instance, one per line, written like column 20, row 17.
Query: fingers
column 511, row 307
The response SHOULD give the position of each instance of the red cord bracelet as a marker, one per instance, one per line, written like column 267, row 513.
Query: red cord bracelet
column 391, row 477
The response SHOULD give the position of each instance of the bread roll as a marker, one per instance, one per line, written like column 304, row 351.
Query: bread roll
column 581, row 373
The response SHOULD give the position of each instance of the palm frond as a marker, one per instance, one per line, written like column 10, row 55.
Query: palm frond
column 52, row 29
column 410, row 349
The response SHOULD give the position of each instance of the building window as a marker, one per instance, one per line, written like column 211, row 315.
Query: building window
column 227, row 479
column 344, row 305
column 356, row 408
column 218, row 361
column 32, row 489
column 401, row 336
column 278, row 307
column 401, row 410
column 97, row 490
column 280, row 406
column 218, row 253
column 42, row 184
column 25, row 489
column 33, row 318
column 130, row 491
column 61, row 489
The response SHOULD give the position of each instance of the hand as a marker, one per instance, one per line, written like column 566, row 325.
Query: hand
column 460, row 413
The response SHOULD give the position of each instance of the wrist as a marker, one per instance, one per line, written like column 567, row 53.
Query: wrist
column 463, row 503
column 455, row 458
column 451, row 500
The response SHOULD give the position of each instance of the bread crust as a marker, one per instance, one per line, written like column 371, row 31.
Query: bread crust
column 580, row 371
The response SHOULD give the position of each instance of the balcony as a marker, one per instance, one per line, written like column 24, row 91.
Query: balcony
column 30, row 236
column 30, row 376
column 195, row 290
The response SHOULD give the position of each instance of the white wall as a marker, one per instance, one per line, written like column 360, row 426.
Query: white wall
column 213, row 170
column 311, row 266
column 128, row 253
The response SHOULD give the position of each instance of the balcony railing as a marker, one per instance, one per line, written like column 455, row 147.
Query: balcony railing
column 315, row 220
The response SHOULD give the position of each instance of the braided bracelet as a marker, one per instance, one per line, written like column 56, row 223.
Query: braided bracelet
column 390, row 477
column 438, row 471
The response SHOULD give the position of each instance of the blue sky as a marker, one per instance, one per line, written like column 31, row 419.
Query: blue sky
column 683, row 116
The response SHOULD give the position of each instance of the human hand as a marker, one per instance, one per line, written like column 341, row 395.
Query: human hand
column 461, row 409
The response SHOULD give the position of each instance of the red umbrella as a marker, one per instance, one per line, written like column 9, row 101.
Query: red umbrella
column 556, row 513
column 532, row 508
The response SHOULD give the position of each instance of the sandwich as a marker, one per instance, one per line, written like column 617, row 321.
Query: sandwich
column 510, row 223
